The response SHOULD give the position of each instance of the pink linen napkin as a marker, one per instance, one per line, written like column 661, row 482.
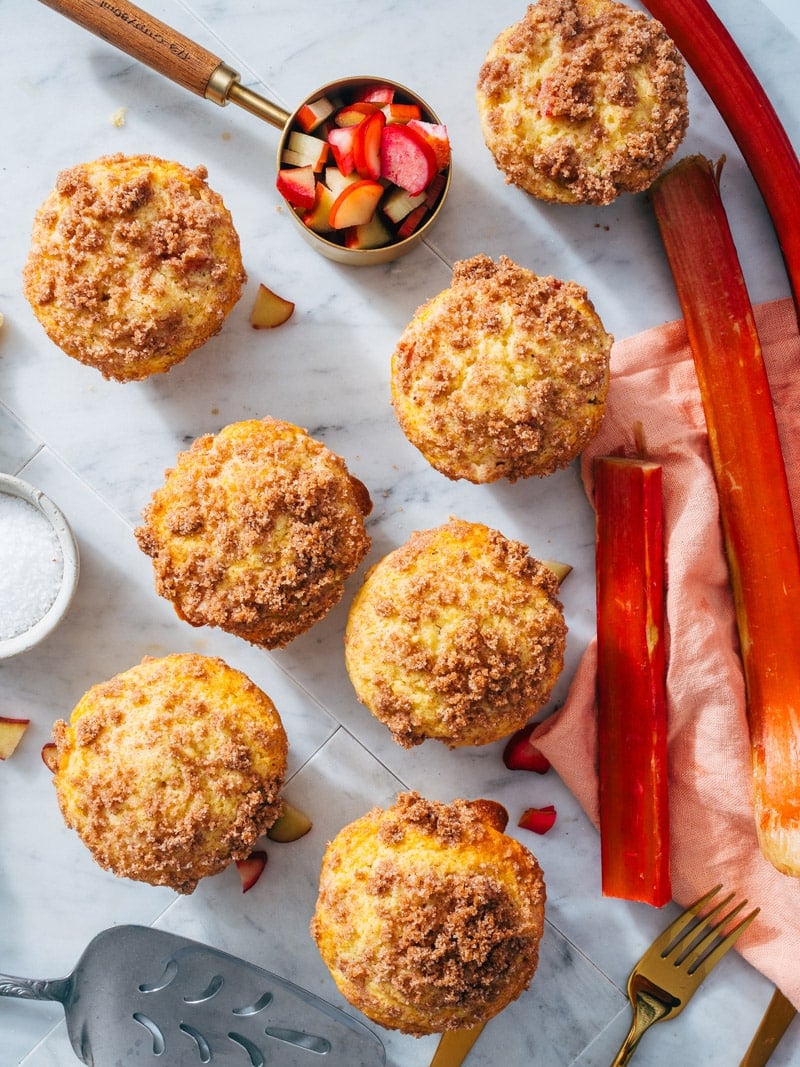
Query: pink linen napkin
column 713, row 838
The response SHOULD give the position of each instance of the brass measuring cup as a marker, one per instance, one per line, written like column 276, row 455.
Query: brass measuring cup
column 165, row 50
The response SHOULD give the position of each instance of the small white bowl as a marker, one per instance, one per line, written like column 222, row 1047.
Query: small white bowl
column 12, row 646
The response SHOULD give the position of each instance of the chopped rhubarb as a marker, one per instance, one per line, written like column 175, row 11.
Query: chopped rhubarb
column 520, row 754
column 291, row 825
column 341, row 139
column 303, row 149
column 251, row 868
column 353, row 114
column 376, row 94
column 411, row 221
column 755, row 505
column 540, row 820
column 401, row 112
column 367, row 146
column 318, row 218
column 356, row 204
column 406, row 158
column 11, row 731
column 631, row 681
column 314, row 114
column 372, row 234
column 50, row 756
column 298, row 186
column 731, row 83
column 437, row 137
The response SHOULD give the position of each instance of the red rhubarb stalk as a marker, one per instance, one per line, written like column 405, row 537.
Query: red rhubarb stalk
column 742, row 102
column 631, row 681
column 755, row 506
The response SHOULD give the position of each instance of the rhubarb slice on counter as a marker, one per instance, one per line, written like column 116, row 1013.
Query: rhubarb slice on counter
column 740, row 98
column 631, row 681
column 755, row 506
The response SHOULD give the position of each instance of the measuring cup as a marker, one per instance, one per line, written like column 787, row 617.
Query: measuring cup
column 168, row 52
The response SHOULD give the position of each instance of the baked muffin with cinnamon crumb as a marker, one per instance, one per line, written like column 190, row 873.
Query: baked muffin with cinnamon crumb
column 428, row 916
column 134, row 263
column 255, row 530
column 504, row 374
column 582, row 100
column 458, row 635
column 171, row 770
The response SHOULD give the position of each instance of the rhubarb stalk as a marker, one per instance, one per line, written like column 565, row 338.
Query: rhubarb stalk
column 742, row 102
column 631, row 681
column 755, row 506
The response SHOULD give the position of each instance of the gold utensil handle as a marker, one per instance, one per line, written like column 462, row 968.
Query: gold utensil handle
column 779, row 1014
column 646, row 1011
column 153, row 43
column 455, row 1045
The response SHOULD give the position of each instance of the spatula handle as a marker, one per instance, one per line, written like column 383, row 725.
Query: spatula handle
column 152, row 42
column 35, row 988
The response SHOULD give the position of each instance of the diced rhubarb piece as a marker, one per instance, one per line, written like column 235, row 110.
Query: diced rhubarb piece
column 298, row 186
column 398, row 203
column 356, row 204
column 336, row 181
column 540, row 820
column 375, row 94
column 754, row 499
column 318, row 218
column 437, row 137
column 302, row 149
column 269, row 309
column 367, row 146
column 406, row 158
column 434, row 189
column 631, row 681
column 291, row 825
column 251, row 868
column 312, row 115
column 352, row 114
column 11, row 731
column 401, row 112
column 520, row 754
column 731, row 83
column 411, row 221
column 341, row 142
column 50, row 756
column 373, row 234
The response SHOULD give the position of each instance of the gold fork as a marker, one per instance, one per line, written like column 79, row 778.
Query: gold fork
column 669, row 973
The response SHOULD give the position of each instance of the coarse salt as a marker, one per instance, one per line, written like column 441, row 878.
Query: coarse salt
column 31, row 565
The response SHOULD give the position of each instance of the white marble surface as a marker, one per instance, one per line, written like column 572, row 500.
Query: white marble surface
column 99, row 449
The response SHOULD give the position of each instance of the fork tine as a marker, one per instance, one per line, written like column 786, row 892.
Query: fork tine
column 704, row 931
column 685, row 919
column 701, row 969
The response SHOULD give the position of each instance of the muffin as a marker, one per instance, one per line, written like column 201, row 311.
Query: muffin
column 458, row 635
column 502, row 375
column 134, row 263
column 428, row 917
column 255, row 531
column 171, row 770
column 582, row 100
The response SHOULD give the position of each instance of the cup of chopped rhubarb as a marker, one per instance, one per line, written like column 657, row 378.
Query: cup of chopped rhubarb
column 364, row 165
column 39, row 566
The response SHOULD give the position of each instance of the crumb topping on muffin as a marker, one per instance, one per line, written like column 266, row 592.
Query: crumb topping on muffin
column 582, row 100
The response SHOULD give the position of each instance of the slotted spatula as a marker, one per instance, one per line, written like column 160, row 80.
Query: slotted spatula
column 145, row 996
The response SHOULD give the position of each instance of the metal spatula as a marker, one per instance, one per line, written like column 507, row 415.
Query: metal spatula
column 144, row 996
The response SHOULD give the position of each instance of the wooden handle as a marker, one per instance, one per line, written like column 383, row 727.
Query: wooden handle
column 142, row 36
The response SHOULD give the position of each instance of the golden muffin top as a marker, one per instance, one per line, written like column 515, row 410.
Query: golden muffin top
column 134, row 263
column 428, row 915
column 458, row 635
column 502, row 375
column 255, row 530
column 582, row 100
column 171, row 770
